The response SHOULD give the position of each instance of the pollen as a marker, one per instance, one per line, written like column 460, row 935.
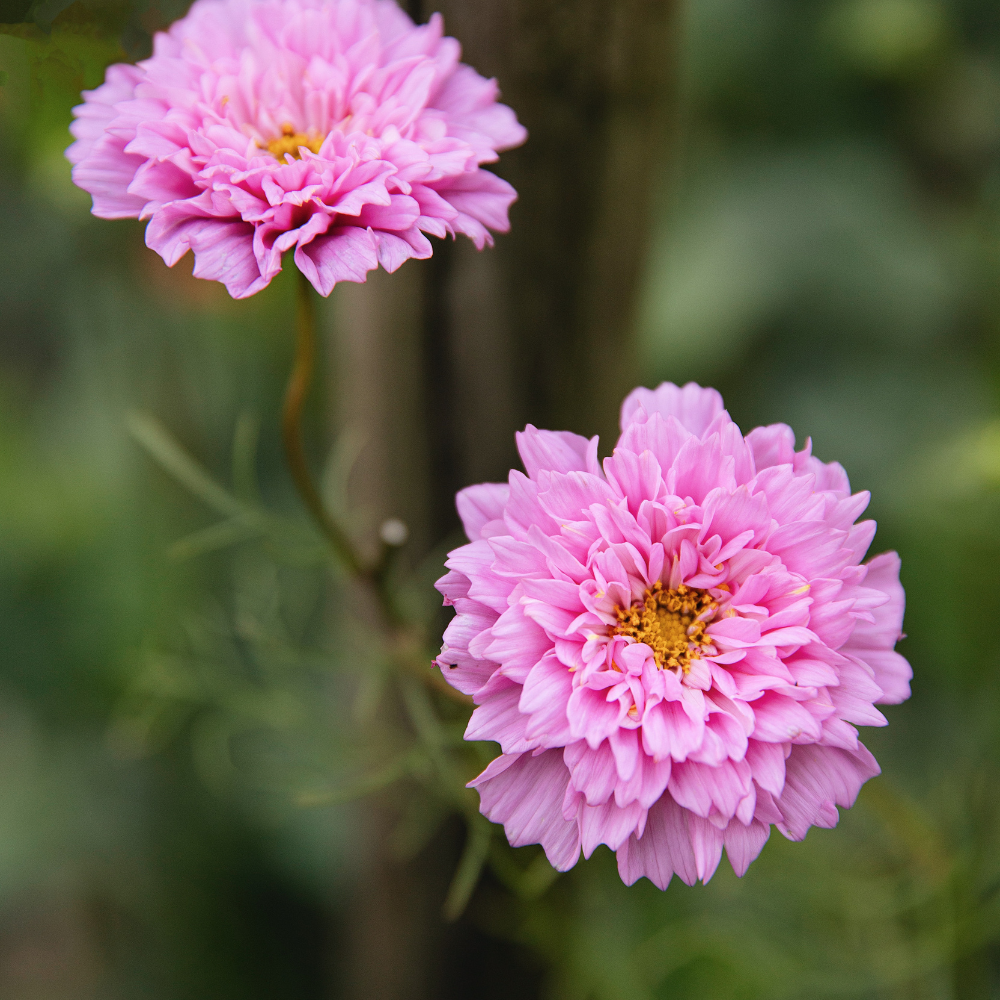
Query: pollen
column 671, row 622
column 290, row 141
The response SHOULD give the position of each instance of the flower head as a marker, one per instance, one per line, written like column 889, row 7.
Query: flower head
column 334, row 127
column 673, row 648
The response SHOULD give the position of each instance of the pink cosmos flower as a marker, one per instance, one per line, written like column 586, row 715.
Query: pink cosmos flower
column 334, row 127
column 673, row 648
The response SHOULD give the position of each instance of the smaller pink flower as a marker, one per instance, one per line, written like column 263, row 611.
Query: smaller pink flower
column 673, row 647
column 336, row 129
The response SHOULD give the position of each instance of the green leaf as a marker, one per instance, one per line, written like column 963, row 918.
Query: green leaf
column 211, row 539
column 390, row 774
column 477, row 848
column 245, row 437
column 155, row 438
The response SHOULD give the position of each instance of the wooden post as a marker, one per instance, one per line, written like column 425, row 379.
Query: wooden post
column 441, row 362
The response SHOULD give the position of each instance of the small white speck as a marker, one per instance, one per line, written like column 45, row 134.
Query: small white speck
column 394, row 532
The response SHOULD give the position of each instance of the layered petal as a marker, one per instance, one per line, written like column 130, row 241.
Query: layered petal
column 517, row 791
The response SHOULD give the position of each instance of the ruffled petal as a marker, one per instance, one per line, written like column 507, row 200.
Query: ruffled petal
column 525, row 794
column 663, row 850
column 693, row 407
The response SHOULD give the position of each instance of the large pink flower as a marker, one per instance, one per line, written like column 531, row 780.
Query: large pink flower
column 672, row 649
column 334, row 127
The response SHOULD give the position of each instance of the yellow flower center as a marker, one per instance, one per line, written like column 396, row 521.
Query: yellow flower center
column 671, row 622
column 289, row 142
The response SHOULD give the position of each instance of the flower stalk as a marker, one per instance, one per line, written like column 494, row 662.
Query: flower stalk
column 296, row 392
column 291, row 427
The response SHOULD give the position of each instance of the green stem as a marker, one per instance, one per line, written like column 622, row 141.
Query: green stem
column 291, row 426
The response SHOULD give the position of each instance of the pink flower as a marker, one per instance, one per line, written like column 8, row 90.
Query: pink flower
column 334, row 127
column 673, row 648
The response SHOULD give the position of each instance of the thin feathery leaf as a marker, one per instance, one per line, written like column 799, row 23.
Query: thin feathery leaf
column 477, row 848
column 211, row 539
column 162, row 447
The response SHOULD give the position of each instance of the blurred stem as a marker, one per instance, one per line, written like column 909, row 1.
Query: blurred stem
column 291, row 426
column 377, row 575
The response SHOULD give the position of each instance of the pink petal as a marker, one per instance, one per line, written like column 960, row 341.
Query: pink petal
column 560, row 594
column 608, row 824
column 106, row 173
column 706, row 842
column 482, row 200
column 694, row 407
column 453, row 586
column 523, row 511
column 744, row 843
column 500, row 720
column 819, row 779
column 637, row 477
column 344, row 253
column 592, row 771
column 873, row 642
column 668, row 731
column 789, row 497
column 567, row 497
column 663, row 849
column 526, row 797
column 517, row 559
column 707, row 790
column 647, row 783
column 772, row 445
column 592, row 717
column 478, row 505
column 627, row 752
column 829, row 476
column 728, row 515
column 223, row 251
column 767, row 763
column 700, row 467
column 394, row 249
column 544, row 699
column 556, row 451
column 517, row 642
column 893, row 674
column 778, row 719
column 663, row 437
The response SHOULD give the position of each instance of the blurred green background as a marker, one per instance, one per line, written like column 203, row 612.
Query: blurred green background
column 825, row 250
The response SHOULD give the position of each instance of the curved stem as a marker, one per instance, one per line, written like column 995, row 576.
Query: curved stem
column 291, row 427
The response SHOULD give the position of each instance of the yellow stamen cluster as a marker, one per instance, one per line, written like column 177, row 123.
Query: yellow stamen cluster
column 289, row 142
column 671, row 622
